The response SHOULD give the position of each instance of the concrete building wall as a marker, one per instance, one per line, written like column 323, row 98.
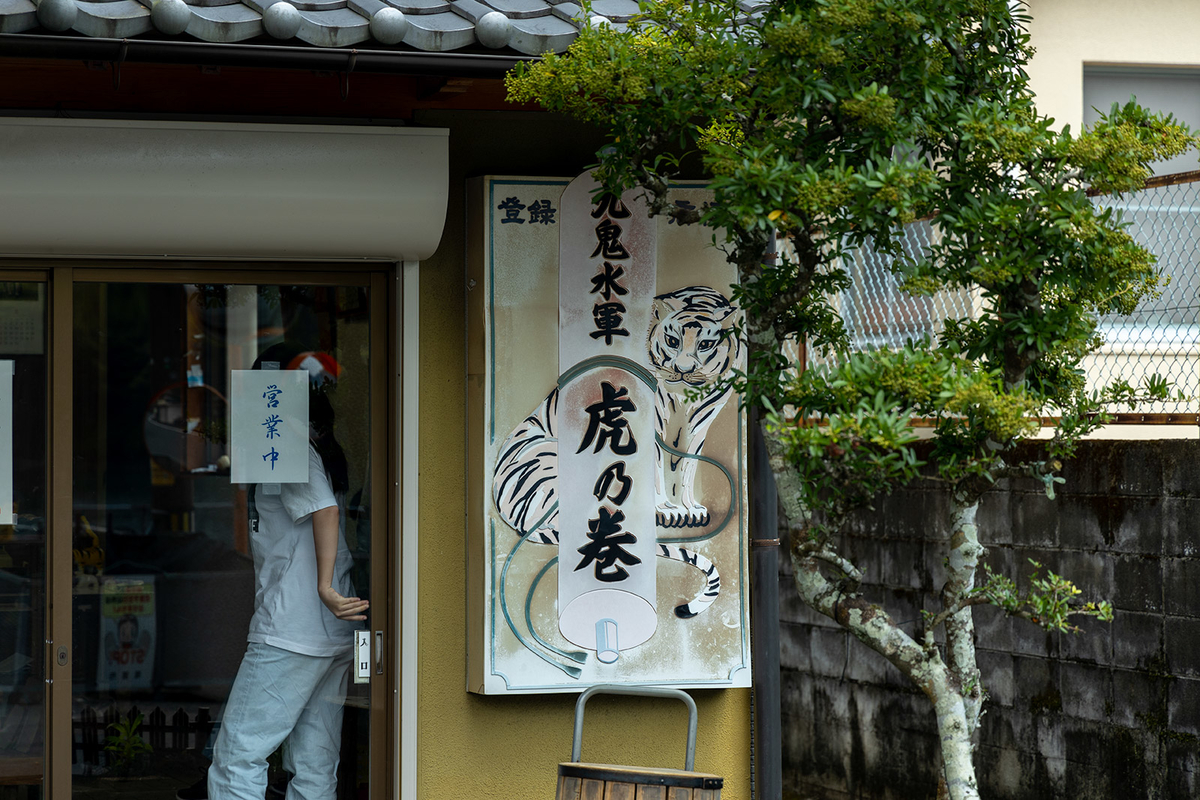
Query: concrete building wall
column 1070, row 34
column 509, row 747
column 1110, row 712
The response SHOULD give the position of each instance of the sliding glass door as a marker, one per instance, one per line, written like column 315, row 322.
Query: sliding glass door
column 125, row 611
column 23, row 532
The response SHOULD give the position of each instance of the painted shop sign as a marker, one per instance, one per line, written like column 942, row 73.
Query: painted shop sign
column 607, row 481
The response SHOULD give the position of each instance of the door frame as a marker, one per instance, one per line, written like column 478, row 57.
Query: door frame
column 60, row 278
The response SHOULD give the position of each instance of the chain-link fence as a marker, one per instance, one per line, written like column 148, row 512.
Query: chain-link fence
column 1161, row 336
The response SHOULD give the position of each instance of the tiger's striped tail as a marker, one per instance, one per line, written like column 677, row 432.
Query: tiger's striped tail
column 712, row 579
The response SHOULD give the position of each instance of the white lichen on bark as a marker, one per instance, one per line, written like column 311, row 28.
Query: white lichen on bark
column 952, row 684
column 961, row 567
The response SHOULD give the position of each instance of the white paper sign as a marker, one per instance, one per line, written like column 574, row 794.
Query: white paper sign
column 268, row 432
column 7, row 517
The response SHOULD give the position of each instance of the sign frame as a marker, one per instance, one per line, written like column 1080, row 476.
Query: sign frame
column 514, row 646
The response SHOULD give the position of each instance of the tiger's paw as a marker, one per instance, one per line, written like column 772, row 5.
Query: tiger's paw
column 670, row 515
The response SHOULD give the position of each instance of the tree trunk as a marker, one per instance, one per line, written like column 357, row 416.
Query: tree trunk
column 874, row 627
column 957, row 715
column 958, row 765
column 961, row 566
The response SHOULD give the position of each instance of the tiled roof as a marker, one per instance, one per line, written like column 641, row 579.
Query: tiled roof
column 526, row 26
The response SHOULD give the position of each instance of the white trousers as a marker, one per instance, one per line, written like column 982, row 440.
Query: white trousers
column 279, row 696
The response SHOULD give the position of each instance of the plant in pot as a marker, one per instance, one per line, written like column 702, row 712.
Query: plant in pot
column 126, row 748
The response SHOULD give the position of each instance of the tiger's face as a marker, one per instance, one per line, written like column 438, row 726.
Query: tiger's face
column 691, row 341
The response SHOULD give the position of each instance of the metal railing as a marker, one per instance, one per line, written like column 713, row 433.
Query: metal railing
column 1161, row 336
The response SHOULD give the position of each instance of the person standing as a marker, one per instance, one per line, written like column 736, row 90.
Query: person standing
column 291, row 685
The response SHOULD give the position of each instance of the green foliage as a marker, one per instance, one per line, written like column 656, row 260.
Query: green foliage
column 829, row 123
column 1050, row 601
column 1123, row 142
column 848, row 456
column 125, row 744
column 825, row 125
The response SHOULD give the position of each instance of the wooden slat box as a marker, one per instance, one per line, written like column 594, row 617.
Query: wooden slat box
column 578, row 781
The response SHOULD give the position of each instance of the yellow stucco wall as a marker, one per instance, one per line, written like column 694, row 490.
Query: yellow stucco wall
column 477, row 747
column 1071, row 33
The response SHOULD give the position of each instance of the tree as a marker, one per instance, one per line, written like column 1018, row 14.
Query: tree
column 827, row 125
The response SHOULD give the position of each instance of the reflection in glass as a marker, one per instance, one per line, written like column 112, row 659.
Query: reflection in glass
column 164, row 581
column 23, row 544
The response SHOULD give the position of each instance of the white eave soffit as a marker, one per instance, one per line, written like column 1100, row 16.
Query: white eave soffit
column 221, row 190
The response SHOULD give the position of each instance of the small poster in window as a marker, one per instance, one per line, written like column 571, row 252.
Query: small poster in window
column 268, row 438
column 127, row 629
column 22, row 318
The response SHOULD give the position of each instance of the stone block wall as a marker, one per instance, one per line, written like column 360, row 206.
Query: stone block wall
column 1111, row 712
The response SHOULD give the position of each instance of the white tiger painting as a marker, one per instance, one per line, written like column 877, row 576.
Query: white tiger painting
column 692, row 346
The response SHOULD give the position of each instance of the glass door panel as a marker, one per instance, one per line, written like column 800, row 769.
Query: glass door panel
column 165, row 546
column 23, row 528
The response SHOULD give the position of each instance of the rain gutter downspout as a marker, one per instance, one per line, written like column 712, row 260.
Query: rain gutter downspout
column 151, row 51
column 764, row 619
column 766, row 751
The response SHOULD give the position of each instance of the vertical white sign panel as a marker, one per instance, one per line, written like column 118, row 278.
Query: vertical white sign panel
column 7, row 517
column 362, row 656
column 607, row 591
column 268, row 430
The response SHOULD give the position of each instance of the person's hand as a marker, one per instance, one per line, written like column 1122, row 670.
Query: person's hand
column 347, row 608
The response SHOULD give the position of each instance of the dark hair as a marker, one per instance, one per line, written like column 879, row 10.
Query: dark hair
column 320, row 417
